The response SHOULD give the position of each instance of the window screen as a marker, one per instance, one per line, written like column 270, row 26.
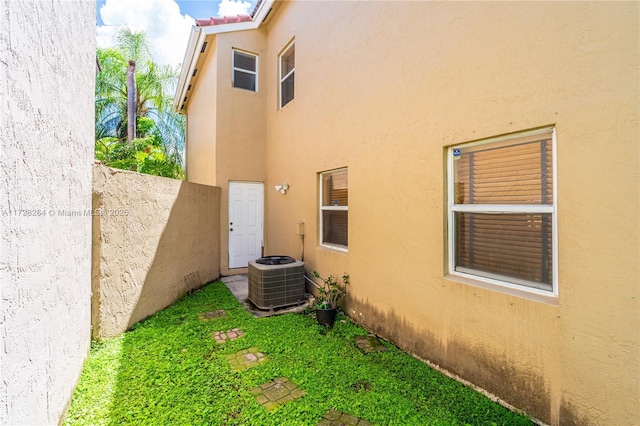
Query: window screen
column 334, row 208
column 287, row 75
column 245, row 70
column 503, row 208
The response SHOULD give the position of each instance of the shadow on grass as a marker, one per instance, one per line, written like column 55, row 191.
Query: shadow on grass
column 169, row 370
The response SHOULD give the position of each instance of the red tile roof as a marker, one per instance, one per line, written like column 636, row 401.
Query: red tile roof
column 223, row 20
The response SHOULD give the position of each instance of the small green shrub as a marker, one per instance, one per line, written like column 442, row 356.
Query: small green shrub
column 144, row 155
column 332, row 291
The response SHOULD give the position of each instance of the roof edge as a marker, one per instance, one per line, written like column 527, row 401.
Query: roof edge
column 187, row 64
column 214, row 20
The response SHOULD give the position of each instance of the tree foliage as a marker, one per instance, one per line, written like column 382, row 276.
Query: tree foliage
column 160, row 132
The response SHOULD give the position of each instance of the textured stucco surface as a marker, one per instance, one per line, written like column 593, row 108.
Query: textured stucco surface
column 229, row 142
column 154, row 239
column 383, row 88
column 47, row 71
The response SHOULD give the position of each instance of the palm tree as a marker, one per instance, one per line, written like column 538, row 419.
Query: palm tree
column 129, row 86
column 131, row 101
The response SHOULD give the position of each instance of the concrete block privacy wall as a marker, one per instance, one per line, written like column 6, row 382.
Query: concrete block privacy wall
column 47, row 72
column 154, row 240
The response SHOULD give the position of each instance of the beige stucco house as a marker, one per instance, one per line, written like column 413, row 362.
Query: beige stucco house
column 472, row 166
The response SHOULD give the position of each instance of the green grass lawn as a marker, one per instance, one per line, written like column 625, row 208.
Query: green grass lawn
column 168, row 370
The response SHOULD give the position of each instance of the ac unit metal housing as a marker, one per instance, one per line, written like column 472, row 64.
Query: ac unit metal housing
column 276, row 281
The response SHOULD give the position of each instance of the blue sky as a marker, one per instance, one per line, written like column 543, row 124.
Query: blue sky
column 166, row 22
column 193, row 8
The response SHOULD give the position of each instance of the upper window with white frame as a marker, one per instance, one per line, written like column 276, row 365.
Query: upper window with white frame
column 502, row 211
column 334, row 208
column 245, row 70
column 287, row 69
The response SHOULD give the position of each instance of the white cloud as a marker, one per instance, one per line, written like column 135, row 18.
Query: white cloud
column 167, row 29
column 233, row 7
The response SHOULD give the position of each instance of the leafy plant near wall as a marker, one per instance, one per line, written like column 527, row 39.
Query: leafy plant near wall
column 332, row 291
column 144, row 155
column 158, row 138
column 168, row 370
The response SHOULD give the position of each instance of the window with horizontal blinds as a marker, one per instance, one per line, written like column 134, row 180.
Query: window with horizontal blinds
column 335, row 188
column 334, row 207
column 509, row 245
column 511, row 174
column 335, row 227
column 502, row 215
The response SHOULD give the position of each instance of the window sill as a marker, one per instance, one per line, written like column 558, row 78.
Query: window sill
column 243, row 90
column 505, row 288
column 333, row 247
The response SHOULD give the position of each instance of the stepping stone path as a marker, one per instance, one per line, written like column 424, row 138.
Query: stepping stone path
column 223, row 336
column 338, row 418
column 206, row 316
column 246, row 358
column 275, row 393
column 370, row 343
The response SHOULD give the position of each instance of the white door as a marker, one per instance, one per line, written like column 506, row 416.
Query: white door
column 246, row 201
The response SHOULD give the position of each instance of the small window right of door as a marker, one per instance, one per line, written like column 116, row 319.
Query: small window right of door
column 334, row 209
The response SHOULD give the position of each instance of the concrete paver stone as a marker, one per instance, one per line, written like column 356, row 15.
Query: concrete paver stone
column 273, row 394
column 206, row 316
column 338, row 418
column 369, row 344
column 245, row 359
column 223, row 336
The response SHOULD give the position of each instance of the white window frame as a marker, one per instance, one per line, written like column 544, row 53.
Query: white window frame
column 330, row 208
column 513, row 286
column 246, row 71
column 282, row 79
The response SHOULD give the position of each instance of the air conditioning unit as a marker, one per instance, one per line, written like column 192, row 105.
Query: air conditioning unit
column 276, row 281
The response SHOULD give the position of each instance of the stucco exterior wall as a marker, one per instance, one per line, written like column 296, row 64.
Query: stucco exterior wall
column 201, row 124
column 47, row 71
column 154, row 240
column 384, row 88
column 226, row 125
column 241, row 132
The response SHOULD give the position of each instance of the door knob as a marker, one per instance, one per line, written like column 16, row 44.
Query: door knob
column 231, row 229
